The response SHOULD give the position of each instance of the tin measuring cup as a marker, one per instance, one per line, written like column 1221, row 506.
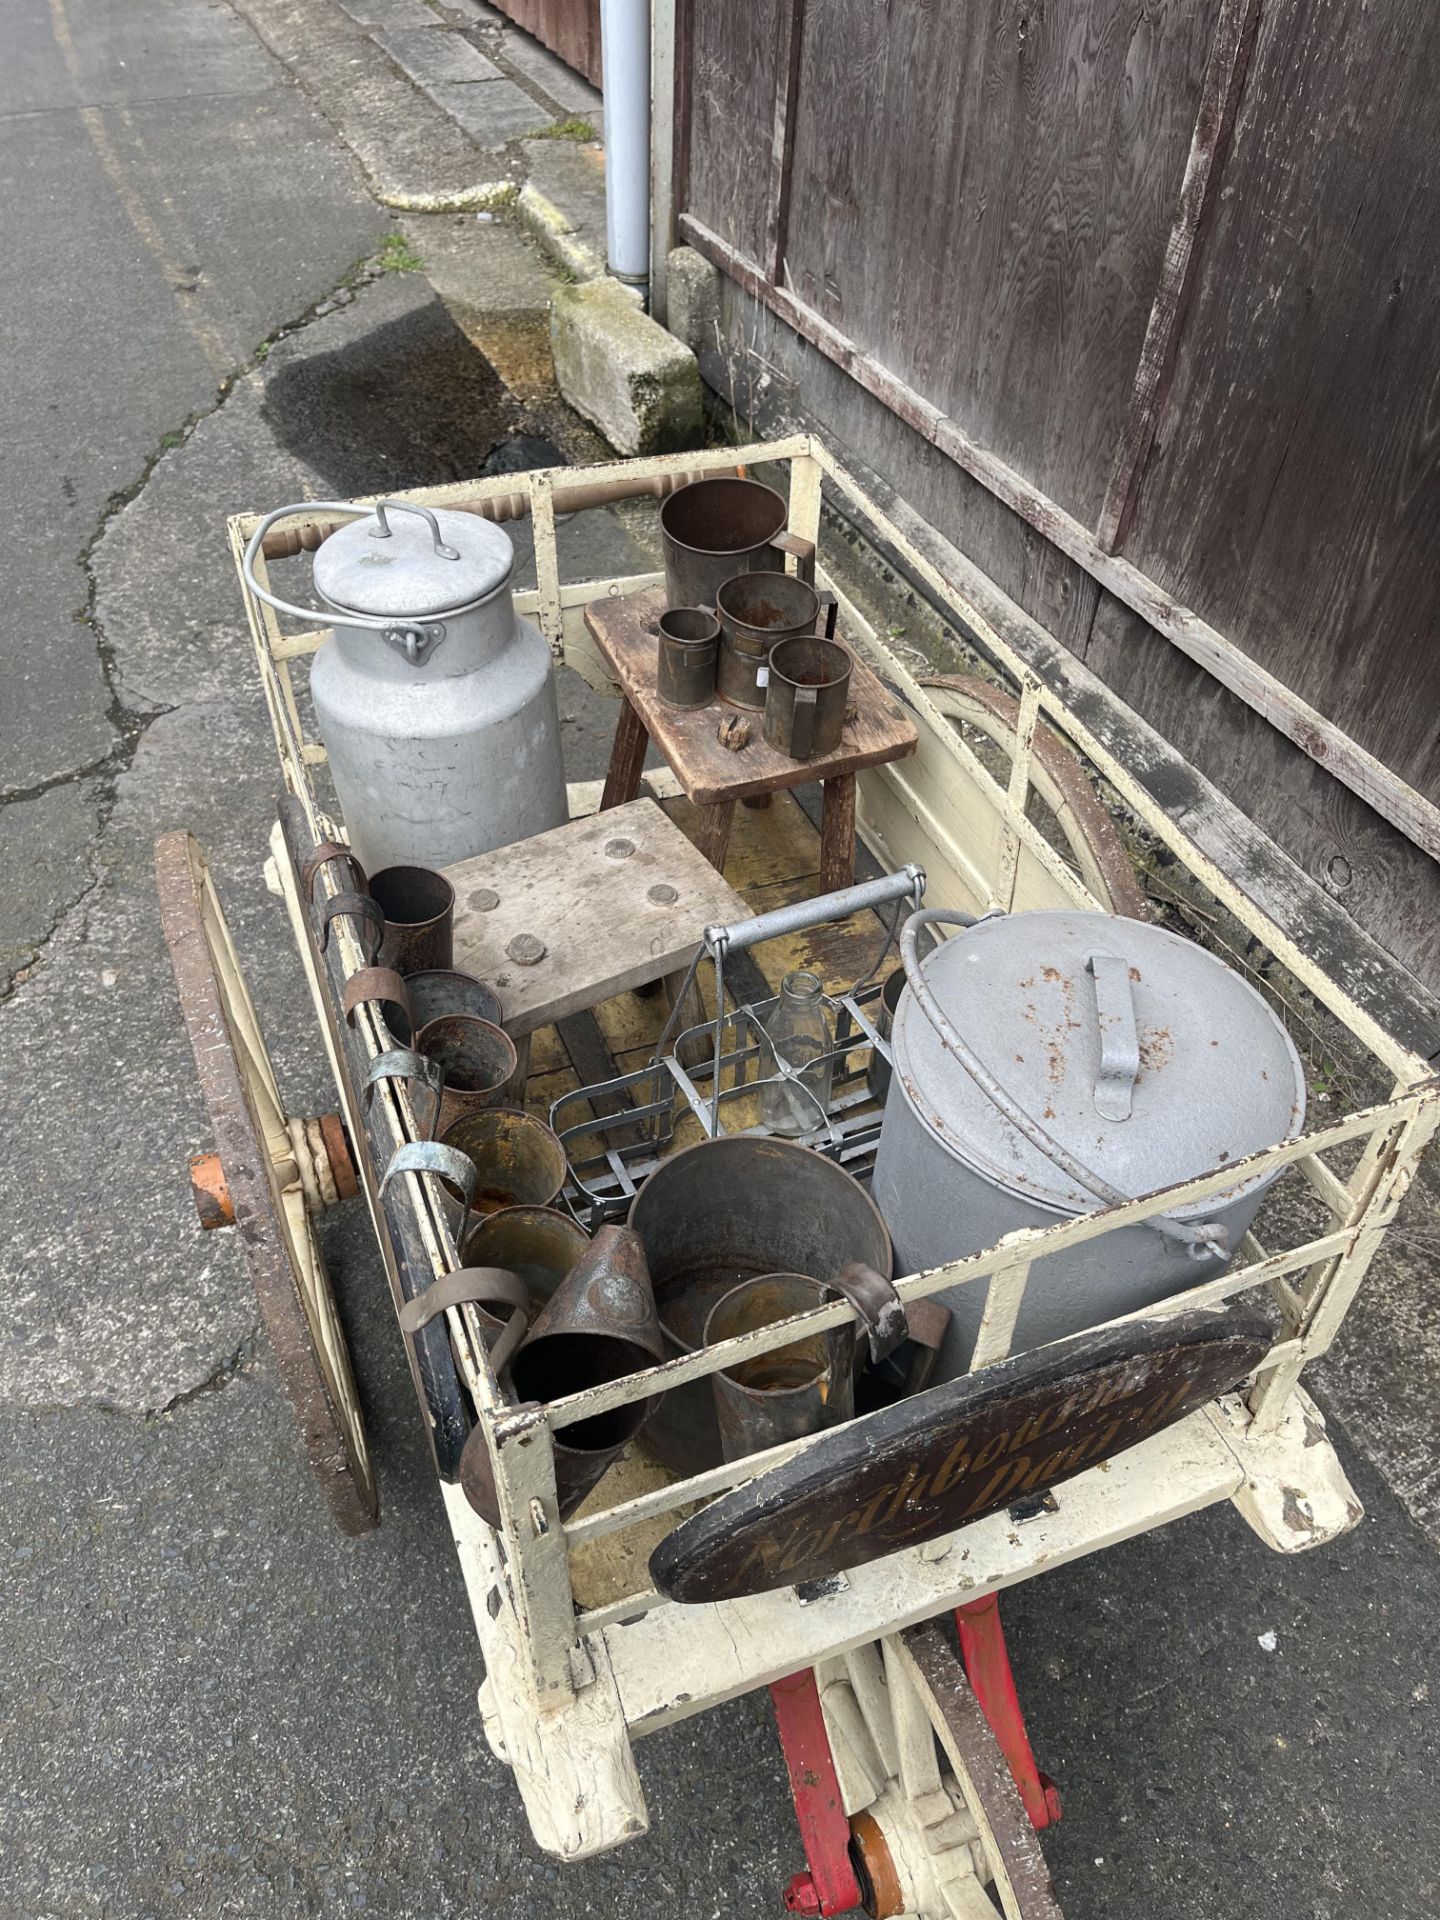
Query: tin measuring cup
column 685, row 668
column 807, row 691
column 538, row 1244
column 714, row 528
column 518, row 1161
column 477, row 1059
column 792, row 1391
column 437, row 991
column 756, row 611
column 419, row 908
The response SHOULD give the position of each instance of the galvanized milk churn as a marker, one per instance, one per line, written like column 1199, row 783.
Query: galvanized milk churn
column 1048, row 1064
column 434, row 699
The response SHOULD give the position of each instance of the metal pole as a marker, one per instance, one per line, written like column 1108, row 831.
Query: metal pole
column 625, row 74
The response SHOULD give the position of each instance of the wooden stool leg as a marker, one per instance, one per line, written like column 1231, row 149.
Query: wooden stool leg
column 837, row 834
column 627, row 759
column 714, row 836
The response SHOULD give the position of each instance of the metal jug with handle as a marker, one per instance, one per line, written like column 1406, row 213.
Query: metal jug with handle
column 715, row 528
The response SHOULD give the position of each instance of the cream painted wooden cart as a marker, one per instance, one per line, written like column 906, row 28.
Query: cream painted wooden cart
column 569, row 1687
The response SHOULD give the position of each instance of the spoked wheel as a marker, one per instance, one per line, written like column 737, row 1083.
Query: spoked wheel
column 1090, row 841
column 905, row 1801
column 269, row 1173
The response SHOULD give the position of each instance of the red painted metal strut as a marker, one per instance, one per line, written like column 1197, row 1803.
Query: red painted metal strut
column 987, row 1667
column 830, row 1886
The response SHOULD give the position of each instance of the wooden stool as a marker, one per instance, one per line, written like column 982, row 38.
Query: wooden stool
column 712, row 776
column 562, row 921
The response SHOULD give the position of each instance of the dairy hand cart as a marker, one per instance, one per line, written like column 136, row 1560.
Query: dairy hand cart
column 913, row 1780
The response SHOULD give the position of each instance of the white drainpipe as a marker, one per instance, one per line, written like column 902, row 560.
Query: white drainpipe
column 625, row 79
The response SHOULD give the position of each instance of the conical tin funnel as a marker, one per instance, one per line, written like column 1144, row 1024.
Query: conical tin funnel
column 599, row 1325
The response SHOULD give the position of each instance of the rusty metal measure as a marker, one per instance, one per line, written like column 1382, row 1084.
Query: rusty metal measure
column 714, row 528
column 538, row 1244
column 791, row 1392
column 807, row 691
column 685, row 666
column 419, row 908
column 598, row 1326
column 517, row 1159
column 756, row 610
column 478, row 1062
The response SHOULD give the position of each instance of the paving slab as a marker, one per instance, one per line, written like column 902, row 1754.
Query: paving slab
column 414, row 153
column 548, row 72
column 493, row 114
column 429, row 57
column 393, row 15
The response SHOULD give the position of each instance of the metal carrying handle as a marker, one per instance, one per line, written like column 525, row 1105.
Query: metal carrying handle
column 907, row 882
column 487, row 1287
column 403, row 1063
column 382, row 531
column 415, row 639
column 1200, row 1241
column 802, row 722
column 433, row 1156
column 1119, row 1042
column 880, row 1307
column 801, row 550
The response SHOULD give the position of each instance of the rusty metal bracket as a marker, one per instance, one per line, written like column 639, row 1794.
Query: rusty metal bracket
column 403, row 1063
column 432, row 1156
column 387, row 989
column 320, row 855
column 490, row 1287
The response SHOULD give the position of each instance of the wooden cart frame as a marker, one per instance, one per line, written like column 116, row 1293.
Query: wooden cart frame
column 567, row 1691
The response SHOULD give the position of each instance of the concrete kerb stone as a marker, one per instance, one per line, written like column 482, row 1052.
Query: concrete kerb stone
column 619, row 368
column 556, row 235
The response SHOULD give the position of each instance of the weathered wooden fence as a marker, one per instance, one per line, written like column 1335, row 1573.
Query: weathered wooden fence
column 1162, row 276
column 570, row 28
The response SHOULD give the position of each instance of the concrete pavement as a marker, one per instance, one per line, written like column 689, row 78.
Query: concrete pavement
column 209, row 1703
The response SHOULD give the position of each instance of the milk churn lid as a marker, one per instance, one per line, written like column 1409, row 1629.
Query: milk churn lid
column 406, row 562
column 1046, row 1000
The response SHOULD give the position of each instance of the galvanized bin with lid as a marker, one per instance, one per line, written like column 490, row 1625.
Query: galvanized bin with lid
column 435, row 700
column 1113, row 1059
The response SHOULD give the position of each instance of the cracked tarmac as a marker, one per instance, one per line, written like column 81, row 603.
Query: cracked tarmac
column 210, row 1704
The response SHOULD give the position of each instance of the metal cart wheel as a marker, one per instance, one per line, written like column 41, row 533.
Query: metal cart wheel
column 269, row 1173
column 1091, row 838
column 905, row 1800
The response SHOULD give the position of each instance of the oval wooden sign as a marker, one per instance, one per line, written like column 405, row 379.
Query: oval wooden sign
column 917, row 1471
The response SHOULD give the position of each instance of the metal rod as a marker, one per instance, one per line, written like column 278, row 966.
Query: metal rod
column 909, row 881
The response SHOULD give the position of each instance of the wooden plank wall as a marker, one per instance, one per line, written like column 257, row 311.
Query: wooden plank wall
column 570, row 28
column 1163, row 279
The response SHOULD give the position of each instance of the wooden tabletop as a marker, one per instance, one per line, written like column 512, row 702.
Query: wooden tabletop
column 624, row 631
column 611, row 902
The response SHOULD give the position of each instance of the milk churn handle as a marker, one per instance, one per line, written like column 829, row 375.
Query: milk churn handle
column 413, row 638
column 1201, row 1241
column 382, row 531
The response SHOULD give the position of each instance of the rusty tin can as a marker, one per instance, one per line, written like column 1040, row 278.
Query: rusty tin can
column 685, row 667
